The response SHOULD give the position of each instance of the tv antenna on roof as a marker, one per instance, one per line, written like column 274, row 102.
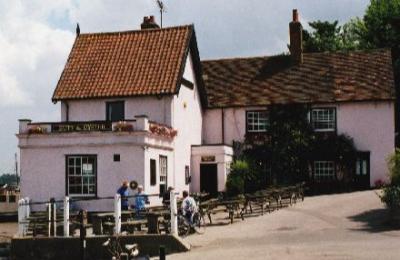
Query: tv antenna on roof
column 161, row 6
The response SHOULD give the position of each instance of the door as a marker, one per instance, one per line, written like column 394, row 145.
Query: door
column 362, row 174
column 209, row 178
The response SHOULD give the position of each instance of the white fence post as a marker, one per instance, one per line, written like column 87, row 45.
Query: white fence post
column 117, row 213
column 48, row 205
column 21, row 217
column 66, row 216
column 174, row 213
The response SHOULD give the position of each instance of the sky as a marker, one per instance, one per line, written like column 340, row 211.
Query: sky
column 36, row 37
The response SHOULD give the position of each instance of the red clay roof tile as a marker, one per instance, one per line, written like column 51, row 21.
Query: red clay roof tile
column 321, row 78
column 131, row 63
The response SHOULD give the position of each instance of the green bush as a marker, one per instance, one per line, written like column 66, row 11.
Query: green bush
column 235, row 183
column 394, row 168
column 391, row 196
column 391, row 193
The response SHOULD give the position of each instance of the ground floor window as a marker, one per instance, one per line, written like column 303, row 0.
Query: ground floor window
column 324, row 170
column 163, row 174
column 187, row 175
column 153, row 172
column 81, row 175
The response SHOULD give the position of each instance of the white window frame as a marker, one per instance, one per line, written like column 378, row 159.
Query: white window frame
column 325, row 116
column 324, row 170
column 163, row 165
column 79, row 173
column 255, row 122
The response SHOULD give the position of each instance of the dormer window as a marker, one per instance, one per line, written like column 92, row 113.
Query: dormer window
column 115, row 111
column 323, row 119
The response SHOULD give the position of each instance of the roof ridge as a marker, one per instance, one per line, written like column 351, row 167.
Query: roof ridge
column 136, row 31
column 306, row 53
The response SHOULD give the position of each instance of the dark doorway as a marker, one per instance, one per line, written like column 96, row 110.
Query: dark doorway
column 209, row 179
column 362, row 171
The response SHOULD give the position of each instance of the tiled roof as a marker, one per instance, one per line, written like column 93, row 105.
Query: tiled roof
column 120, row 64
column 321, row 78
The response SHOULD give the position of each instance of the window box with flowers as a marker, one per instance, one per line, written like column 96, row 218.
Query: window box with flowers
column 163, row 130
column 37, row 130
column 123, row 126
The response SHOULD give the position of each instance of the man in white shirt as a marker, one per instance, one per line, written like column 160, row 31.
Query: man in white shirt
column 189, row 206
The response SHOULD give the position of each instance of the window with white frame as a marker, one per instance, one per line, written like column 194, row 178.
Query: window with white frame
column 324, row 170
column 81, row 175
column 323, row 119
column 257, row 121
column 163, row 174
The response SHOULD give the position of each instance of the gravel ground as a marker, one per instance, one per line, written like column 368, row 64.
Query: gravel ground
column 343, row 226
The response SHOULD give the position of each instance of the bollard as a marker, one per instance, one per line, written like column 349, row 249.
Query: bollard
column 162, row 253
column 21, row 217
column 117, row 214
column 174, row 213
column 66, row 216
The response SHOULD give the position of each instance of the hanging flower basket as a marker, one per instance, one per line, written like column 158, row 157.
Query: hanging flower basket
column 123, row 126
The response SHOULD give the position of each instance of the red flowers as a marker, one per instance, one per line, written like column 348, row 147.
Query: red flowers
column 163, row 130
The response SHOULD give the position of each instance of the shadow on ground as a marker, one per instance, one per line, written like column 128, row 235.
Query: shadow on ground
column 375, row 220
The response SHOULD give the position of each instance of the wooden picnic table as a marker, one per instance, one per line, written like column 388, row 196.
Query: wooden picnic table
column 151, row 216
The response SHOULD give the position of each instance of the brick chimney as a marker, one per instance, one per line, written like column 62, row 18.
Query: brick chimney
column 296, row 38
column 149, row 23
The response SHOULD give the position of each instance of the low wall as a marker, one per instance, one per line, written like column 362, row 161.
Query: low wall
column 69, row 248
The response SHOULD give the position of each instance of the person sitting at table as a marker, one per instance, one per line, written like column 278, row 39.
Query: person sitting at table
column 166, row 196
column 141, row 199
column 124, row 192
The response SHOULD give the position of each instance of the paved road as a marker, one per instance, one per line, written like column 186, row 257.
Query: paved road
column 344, row 226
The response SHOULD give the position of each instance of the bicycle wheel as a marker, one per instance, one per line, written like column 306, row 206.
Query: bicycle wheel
column 183, row 227
column 199, row 223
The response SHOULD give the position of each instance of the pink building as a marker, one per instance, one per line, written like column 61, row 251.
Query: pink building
column 140, row 105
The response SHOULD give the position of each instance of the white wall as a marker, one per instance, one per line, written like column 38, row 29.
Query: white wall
column 153, row 153
column 157, row 109
column 223, row 158
column 43, row 171
column 371, row 125
column 235, row 124
column 187, row 119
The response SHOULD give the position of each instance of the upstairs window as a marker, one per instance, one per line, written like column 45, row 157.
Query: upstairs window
column 257, row 121
column 115, row 111
column 323, row 119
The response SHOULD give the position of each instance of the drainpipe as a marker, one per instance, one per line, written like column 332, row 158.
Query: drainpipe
column 223, row 125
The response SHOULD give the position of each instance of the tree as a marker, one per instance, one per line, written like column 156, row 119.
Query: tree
column 8, row 178
column 282, row 153
column 378, row 30
column 325, row 36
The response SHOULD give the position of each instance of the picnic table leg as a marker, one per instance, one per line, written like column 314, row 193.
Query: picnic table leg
column 209, row 217
column 262, row 209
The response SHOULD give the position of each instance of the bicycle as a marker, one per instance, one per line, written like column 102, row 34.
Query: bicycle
column 186, row 226
column 130, row 252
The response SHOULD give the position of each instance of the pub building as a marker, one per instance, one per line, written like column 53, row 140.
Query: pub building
column 141, row 105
